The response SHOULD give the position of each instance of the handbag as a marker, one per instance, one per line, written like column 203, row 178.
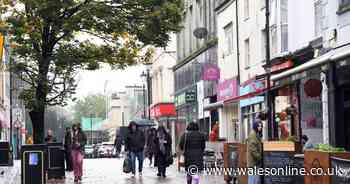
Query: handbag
column 127, row 168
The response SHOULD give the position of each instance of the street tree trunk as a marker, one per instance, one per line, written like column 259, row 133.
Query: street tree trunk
column 38, row 124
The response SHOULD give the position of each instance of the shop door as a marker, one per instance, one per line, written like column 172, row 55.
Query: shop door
column 346, row 115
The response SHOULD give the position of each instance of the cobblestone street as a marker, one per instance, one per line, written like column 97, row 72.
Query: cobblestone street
column 109, row 171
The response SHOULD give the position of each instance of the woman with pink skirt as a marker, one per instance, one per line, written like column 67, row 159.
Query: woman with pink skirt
column 79, row 141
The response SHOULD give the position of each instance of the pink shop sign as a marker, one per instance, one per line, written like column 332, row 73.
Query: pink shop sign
column 227, row 89
column 210, row 72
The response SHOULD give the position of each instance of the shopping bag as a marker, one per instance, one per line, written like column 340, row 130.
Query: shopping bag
column 127, row 168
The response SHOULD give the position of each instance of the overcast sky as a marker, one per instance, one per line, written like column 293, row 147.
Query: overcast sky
column 93, row 81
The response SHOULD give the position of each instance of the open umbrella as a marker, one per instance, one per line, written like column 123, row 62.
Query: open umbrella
column 144, row 122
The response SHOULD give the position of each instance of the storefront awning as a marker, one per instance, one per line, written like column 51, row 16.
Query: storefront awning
column 213, row 106
column 332, row 56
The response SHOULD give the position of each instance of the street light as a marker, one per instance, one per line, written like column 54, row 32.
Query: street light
column 146, row 76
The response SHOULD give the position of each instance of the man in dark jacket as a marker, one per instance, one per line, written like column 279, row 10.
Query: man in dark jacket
column 254, row 150
column 193, row 144
column 135, row 143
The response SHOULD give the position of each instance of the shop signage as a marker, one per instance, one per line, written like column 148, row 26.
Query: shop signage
column 163, row 110
column 282, row 66
column 278, row 159
column 180, row 99
column 210, row 72
column 200, row 99
column 190, row 96
column 252, row 87
column 227, row 89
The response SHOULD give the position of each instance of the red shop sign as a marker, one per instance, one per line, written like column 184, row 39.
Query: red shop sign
column 163, row 110
column 282, row 66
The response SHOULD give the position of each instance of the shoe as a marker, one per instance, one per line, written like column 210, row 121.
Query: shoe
column 133, row 175
column 140, row 174
column 164, row 176
column 159, row 175
column 79, row 178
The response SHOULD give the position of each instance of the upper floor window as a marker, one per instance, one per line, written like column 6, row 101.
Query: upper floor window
column 344, row 2
column 344, row 6
column 247, row 53
column 228, row 39
column 246, row 9
column 318, row 17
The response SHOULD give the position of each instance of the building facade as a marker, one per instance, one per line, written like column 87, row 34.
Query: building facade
column 196, row 49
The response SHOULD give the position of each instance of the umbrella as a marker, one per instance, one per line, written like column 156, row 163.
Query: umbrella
column 144, row 122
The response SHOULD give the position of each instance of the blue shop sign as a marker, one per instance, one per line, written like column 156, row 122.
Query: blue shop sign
column 251, row 88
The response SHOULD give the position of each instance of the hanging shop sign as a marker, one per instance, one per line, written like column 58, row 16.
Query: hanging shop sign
column 252, row 87
column 163, row 110
column 191, row 96
column 282, row 66
column 313, row 88
column 227, row 89
column 210, row 72
column 180, row 99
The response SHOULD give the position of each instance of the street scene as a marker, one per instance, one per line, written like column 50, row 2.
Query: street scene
column 174, row 91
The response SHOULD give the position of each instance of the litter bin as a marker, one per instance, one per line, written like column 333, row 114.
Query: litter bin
column 33, row 164
column 55, row 161
column 6, row 158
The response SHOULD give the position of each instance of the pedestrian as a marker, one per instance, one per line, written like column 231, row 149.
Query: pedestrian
column 135, row 143
column 150, row 145
column 306, row 143
column 50, row 137
column 79, row 141
column 214, row 134
column 192, row 143
column 68, row 149
column 118, row 144
column 254, row 151
column 163, row 156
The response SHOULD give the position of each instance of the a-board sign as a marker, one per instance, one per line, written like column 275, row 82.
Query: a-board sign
column 342, row 177
column 276, row 160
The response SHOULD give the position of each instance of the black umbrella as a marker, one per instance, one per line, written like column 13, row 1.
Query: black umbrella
column 144, row 122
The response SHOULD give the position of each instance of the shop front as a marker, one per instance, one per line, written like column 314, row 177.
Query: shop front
column 251, row 104
column 165, row 114
column 228, row 114
column 186, row 110
column 312, row 99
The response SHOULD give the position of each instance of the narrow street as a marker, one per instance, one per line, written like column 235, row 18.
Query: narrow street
column 109, row 171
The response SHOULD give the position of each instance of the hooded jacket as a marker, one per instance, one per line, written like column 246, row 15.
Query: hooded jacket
column 135, row 140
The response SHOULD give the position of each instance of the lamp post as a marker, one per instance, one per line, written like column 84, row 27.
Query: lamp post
column 91, row 129
column 146, row 75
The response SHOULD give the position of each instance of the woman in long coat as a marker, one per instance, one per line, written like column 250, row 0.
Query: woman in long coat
column 163, row 151
column 193, row 144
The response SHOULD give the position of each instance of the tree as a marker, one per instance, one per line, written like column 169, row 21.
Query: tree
column 94, row 104
column 54, row 39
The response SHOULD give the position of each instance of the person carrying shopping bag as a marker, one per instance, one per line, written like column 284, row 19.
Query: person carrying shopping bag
column 135, row 143
column 79, row 141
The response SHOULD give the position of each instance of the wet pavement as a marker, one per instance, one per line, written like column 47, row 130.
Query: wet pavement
column 109, row 171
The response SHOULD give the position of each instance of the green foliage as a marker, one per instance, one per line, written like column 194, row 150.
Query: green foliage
column 94, row 105
column 52, row 40
column 328, row 148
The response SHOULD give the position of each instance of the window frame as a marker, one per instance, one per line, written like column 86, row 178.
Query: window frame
column 228, row 30
column 247, row 55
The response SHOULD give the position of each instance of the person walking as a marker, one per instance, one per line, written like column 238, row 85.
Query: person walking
column 118, row 144
column 135, row 143
column 192, row 143
column 49, row 137
column 79, row 141
column 254, row 151
column 68, row 149
column 163, row 151
column 151, row 145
